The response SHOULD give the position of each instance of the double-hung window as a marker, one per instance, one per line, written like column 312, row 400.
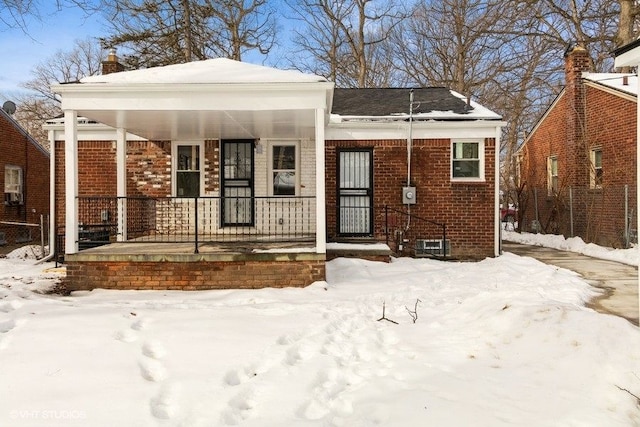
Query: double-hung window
column 467, row 161
column 596, row 168
column 13, row 184
column 187, row 173
column 552, row 175
column 284, row 172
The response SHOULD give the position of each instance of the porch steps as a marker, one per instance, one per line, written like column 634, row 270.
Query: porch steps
column 369, row 250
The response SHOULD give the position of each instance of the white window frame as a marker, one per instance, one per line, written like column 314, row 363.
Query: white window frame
column 13, row 191
column 480, row 160
column 270, row 170
column 174, row 164
column 552, row 187
column 594, row 168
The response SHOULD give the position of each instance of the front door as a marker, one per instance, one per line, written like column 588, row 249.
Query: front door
column 355, row 192
column 237, row 182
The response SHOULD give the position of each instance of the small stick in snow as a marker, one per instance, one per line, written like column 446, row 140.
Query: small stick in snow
column 414, row 313
column 624, row 389
column 384, row 317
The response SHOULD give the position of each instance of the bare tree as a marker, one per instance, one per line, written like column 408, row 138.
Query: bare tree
column 16, row 13
column 40, row 104
column 161, row 32
column 343, row 40
column 592, row 24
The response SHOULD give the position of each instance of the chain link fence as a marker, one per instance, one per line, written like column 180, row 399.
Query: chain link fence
column 605, row 216
column 16, row 233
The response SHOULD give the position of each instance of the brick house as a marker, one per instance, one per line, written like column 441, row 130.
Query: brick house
column 218, row 174
column 25, row 180
column 577, row 167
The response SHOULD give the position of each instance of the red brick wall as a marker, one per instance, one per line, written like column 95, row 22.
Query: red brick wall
column 148, row 169
column 466, row 208
column 605, row 120
column 18, row 150
column 199, row 275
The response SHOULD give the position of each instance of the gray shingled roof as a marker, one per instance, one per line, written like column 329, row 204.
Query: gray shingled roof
column 390, row 101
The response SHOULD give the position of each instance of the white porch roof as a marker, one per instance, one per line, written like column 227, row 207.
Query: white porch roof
column 211, row 99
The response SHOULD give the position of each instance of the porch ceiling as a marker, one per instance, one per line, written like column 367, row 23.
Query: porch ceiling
column 228, row 124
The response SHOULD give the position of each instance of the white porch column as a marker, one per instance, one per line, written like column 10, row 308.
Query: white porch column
column 52, row 193
column 71, row 181
column 121, row 182
column 321, row 219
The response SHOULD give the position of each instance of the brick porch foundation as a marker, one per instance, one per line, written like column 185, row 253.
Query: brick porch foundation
column 193, row 272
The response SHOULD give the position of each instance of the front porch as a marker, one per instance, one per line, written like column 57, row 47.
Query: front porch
column 179, row 177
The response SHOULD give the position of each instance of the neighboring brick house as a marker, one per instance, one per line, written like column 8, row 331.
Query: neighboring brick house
column 577, row 167
column 24, row 166
column 220, row 174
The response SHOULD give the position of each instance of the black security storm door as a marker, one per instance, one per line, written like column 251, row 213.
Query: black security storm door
column 355, row 192
column 237, row 183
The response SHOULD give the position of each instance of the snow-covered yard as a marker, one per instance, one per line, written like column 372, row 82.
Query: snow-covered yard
column 502, row 342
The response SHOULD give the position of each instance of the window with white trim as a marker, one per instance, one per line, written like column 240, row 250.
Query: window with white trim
column 596, row 167
column 552, row 175
column 13, row 184
column 467, row 161
column 284, row 169
column 187, row 170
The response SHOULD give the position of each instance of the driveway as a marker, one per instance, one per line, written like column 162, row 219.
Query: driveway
column 619, row 281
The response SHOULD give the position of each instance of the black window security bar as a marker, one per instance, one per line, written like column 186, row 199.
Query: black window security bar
column 196, row 220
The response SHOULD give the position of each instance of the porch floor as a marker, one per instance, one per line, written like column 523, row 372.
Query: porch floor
column 228, row 251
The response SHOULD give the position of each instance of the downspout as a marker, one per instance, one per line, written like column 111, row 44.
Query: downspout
column 410, row 138
column 52, row 197
column 409, row 146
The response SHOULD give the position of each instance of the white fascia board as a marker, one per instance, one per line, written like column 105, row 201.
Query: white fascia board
column 424, row 130
column 630, row 58
column 89, row 132
column 612, row 91
column 194, row 97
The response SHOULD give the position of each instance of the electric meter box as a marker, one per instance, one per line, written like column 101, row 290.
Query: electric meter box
column 408, row 195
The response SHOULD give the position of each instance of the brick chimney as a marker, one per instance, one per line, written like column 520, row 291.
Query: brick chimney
column 577, row 61
column 111, row 65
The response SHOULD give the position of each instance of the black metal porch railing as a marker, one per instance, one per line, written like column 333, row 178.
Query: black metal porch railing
column 406, row 232
column 197, row 220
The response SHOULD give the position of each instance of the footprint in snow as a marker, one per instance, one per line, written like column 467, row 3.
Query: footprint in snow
column 239, row 408
column 140, row 324
column 152, row 370
column 7, row 325
column 165, row 405
column 126, row 335
column 154, row 350
column 236, row 377
column 10, row 306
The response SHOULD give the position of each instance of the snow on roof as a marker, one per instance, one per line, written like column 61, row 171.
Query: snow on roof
column 218, row 70
column 392, row 104
column 615, row 81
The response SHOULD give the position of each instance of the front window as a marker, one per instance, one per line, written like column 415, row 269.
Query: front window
column 467, row 161
column 596, row 168
column 187, row 173
column 552, row 175
column 13, row 184
column 284, row 174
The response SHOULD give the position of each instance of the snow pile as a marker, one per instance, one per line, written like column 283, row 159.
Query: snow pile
column 629, row 256
column 26, row 252
column 502, row 342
